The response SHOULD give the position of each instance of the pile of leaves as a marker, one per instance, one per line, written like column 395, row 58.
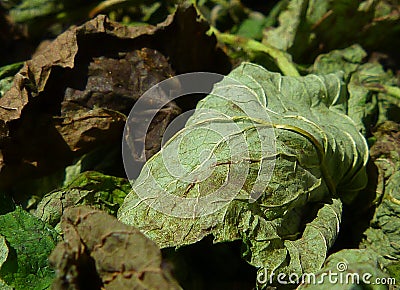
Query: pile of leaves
column 312, row 89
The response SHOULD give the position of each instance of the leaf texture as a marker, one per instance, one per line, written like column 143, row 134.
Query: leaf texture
column 100, row 252
column 283, row 145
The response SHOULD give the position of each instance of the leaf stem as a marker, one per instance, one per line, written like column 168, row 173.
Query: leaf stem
column 390, row 90
column 281, row 59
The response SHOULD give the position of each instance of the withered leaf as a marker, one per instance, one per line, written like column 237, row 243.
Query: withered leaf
column 37, row 118
column 99, row 251
column 83, row 129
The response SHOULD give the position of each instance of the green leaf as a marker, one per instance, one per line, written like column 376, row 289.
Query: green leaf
column 29, row 242
column 252, row 27
column 371, row 89
column 308, row 27
column 7, row 75
column 250, row 46
column 351, row 269
column 29, row 10
column 3, row 250
column 282, row 143
column 88, row 188
column 394, row 270
column 105, row 159
column 383, row 235
column 100, row 252
column 347, row 60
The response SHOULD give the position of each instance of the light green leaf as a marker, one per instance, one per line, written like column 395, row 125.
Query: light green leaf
column 3, row 250
column 29, row 10
column 91, row 188
column 283, row 144
column 371, row 89
column 7, row 75
column 29, row 242
column 308, row 27
column 349, row 269
column 347, row 60
column 3, row 257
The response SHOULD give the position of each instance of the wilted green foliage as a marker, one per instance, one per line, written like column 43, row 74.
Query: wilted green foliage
column 383, row 236
column 274, row 159
column 355, row 268
column 270, row 116
column 92, row 188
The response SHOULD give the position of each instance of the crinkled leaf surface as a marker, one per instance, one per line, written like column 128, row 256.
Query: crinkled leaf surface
column 89, row 188
column 74, row 68
column 307, row 28
column 99, row 251
column 354, row 263
column 371, row 88
column 383, row 234
column 347, row 60
column 318, row 152
column 29, row 241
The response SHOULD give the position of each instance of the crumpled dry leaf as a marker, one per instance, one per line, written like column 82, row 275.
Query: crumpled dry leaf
column 100, row 251
column 87, row 128
column 35, row 104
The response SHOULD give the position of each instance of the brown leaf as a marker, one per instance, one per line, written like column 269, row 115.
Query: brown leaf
column 100, row 250
column 59, row 106
column 87, row 128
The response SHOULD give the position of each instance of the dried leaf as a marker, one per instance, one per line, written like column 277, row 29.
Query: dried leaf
column 87, row 128
column 75, row 66
column 100, row 251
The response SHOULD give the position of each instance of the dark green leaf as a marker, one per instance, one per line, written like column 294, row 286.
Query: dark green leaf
column 384, row 234
column 29, row 241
